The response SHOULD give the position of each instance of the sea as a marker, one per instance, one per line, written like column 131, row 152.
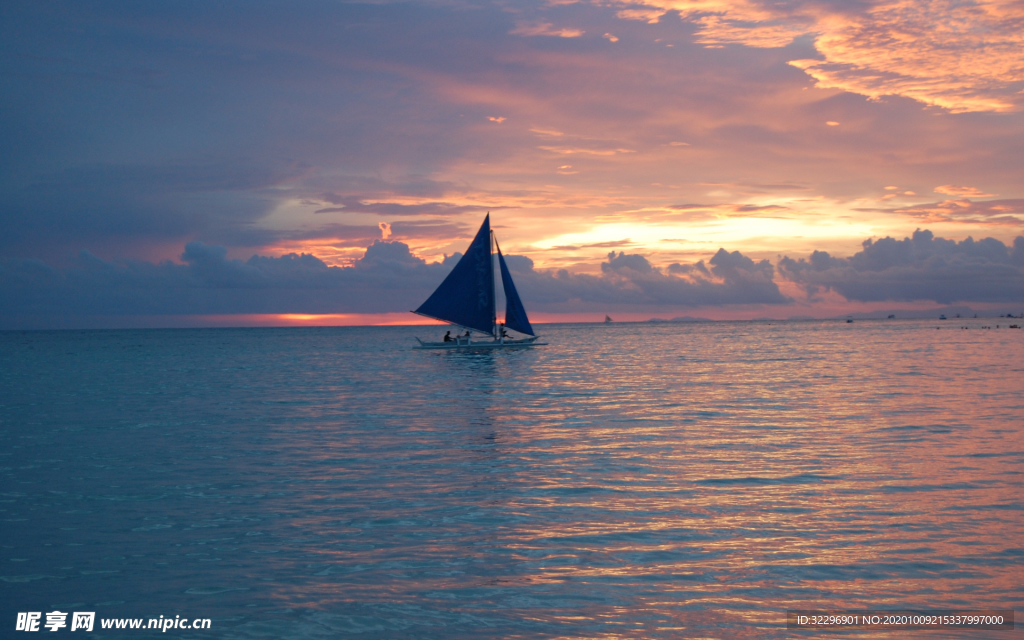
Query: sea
column 625, row 480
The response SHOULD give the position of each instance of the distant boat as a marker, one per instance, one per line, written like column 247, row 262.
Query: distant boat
column 942, row 316
column 892, row 316
column 608, row 319
column 467, row 299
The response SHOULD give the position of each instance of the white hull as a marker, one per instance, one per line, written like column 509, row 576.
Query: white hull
column 462, row 344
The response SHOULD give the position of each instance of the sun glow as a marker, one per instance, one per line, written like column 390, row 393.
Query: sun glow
column 750, row 232
column 320, row 319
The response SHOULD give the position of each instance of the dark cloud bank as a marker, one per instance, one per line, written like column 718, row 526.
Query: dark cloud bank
column 388, row 278
column 921, row 267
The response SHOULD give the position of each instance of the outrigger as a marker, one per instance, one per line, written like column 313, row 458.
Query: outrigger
column 467, row 299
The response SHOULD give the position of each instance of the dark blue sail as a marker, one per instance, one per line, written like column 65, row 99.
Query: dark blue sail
column 515, row 313
column 466, row 297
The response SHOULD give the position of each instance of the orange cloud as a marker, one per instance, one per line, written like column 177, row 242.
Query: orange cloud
column 651, row 16
column 566, row 151
column 960, row 56
column 717, row 30
column 700, row 212
column 953, row 190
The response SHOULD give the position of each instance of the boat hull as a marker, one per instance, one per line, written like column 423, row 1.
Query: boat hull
column 479, row 346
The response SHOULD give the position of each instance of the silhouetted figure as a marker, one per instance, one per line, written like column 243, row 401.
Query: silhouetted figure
column 448, row 336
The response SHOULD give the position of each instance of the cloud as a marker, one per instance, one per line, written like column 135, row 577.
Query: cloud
column 953, row 190
column 569, row 151
column 751, row 28
column 694, row 212
column 959, row 55
column 650, row 16
column 160, row 200
column 361, row 204
column 629, row 281
column 390, row 278
column 921, row 267
column 387, row 278
column 616, row 244
column 432, row 229
column 1008, row 212
column 247, row 119
column 730, row 210
column 544, row 29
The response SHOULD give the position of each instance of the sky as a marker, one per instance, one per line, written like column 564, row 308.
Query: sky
column 216, row 164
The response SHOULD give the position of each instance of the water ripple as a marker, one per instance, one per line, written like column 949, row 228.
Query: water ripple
column 652, row 481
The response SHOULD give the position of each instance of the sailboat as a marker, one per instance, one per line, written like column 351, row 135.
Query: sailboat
column 467, row 299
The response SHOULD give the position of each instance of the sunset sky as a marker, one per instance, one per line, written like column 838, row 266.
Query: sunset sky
column 169, row 163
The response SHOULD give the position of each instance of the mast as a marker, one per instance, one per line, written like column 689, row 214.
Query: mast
column 494, row 291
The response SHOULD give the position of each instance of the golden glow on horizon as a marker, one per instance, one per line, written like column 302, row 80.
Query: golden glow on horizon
column 315, row 319
column 332, row 252
column 553, row 233
column 828, row 305
column 710, row 233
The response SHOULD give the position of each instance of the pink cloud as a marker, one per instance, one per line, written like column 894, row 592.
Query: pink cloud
column 960, row 56
column 545, row 29
column 990, row 212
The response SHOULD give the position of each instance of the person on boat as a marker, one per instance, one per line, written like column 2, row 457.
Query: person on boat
column 448, row 336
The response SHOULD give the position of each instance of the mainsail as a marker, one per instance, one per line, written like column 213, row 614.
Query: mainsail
column 466, row 297
column 515, row 313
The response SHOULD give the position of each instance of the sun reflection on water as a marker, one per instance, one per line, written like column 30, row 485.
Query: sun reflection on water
column 625, row 481
column 740, row 469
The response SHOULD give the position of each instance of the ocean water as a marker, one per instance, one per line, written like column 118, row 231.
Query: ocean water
column 627, row 480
